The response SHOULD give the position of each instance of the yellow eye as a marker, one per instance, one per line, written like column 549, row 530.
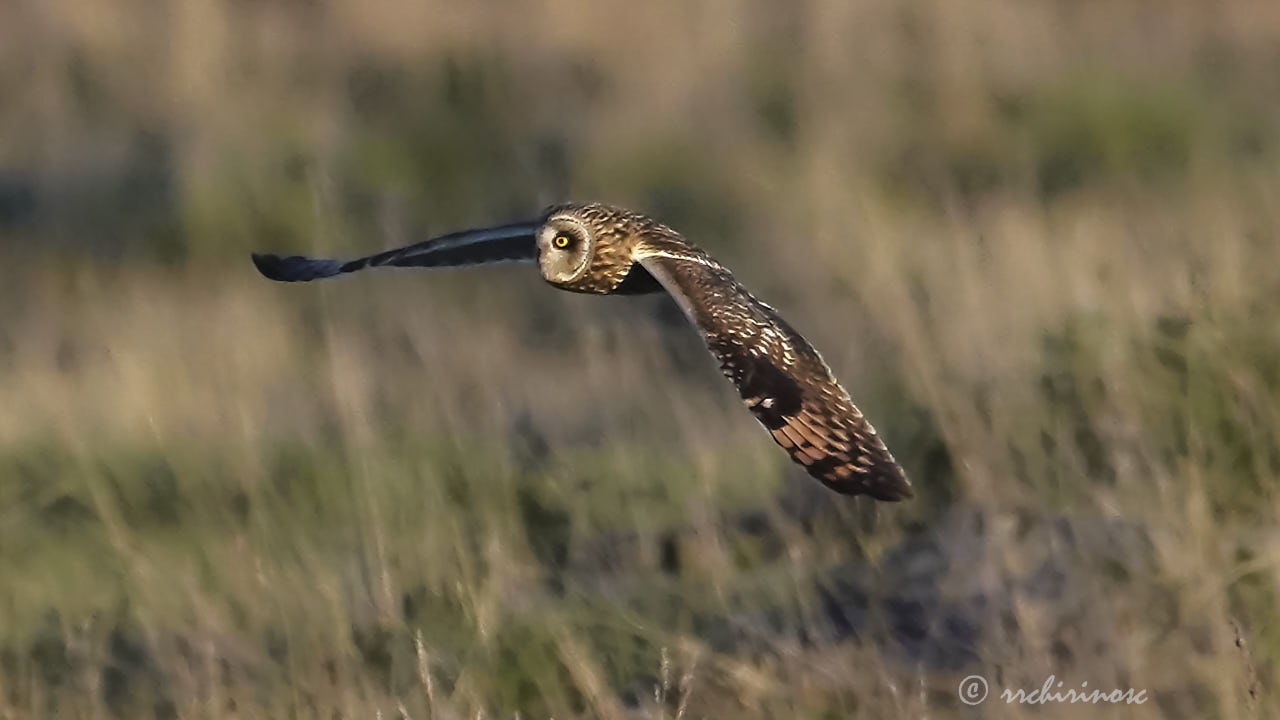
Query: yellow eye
column 561, row 241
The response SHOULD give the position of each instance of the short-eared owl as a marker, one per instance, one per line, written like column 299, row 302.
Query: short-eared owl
column 594, row 248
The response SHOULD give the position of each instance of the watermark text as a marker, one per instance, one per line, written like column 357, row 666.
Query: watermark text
column 974, row 689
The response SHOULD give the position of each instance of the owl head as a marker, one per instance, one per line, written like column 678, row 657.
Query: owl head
column 590, row 247
column 565, row 245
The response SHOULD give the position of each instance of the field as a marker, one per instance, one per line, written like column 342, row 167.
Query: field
column 1038, row 241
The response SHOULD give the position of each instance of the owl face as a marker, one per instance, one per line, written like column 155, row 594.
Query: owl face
column 565, row 246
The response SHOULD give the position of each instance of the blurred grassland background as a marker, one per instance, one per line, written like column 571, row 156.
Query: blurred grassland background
column 1037, row 240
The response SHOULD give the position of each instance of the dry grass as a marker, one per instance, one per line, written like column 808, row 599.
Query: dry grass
column 1038, row 241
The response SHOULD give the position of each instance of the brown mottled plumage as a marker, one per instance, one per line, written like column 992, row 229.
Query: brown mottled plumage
column 595, row 248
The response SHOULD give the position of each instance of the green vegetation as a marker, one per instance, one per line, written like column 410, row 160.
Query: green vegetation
column 1038, row 243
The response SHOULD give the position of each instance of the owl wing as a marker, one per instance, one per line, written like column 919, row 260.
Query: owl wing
column 468, row 247
column 783, row 380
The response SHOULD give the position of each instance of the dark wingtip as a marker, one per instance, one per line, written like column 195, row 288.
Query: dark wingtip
column 884, row 480
column 268, row 265
column 890, row 485
column 295, row 268
column 894, row 491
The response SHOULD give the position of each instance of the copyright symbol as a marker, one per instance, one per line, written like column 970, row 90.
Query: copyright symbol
column 973, row 690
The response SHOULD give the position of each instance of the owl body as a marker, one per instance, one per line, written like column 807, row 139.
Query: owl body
column 599, row 249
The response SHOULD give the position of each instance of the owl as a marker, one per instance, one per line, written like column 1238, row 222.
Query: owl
column 600, row 249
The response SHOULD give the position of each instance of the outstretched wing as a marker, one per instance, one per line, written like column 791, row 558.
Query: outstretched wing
column 468, row 247
column 781, row 377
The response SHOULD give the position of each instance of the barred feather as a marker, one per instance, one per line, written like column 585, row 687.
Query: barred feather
column 783, row 380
